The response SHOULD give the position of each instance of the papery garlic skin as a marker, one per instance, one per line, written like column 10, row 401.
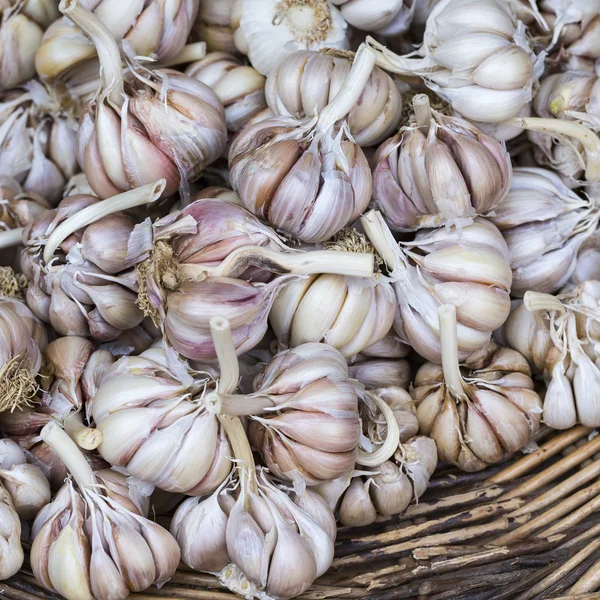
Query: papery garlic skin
column 544, row 224
column 301, row 392
column 266, row 29
column 239, row 87
column 359, row 313
column 495, row 417
column 22, row 25
column 11, row 552
column 174, row 137
column 306, row 81
column 37, row 139
column 387, row 18
column 476, row 57
column 143, row 28
column 213, row 25
column 170, row 420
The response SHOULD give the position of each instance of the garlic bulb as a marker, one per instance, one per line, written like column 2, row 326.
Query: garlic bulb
column 347, row 313
column 301, row 393
column 11, row 552
column 438, row 170
column 143, row 28
column 232, row 538
column 306, row 177
column 170, row 419
column 38, row 139
column 88, row 546
column 480, row 415
column 266, row 29
column 475, row 56
column 239, row 87
column 28, row 488
column 389, row 488
column 162, row 124
column 387, row 18
column 568, row 324
column 305, row 82
column 22, row 24
column 575, row 24
column 22, row 338
column 468, row 268
column 213, row 25
column 544, row 224
column 85, row 289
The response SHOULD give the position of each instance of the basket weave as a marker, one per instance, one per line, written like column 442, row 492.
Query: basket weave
column 525, row 530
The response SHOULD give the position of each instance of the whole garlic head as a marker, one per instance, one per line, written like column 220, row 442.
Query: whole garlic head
column 479, row 415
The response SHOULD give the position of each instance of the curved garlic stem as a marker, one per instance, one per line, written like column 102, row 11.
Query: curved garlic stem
column 108, row 51
column 423, row 113
column 382, row 239
column 69, row 453
column 350, row 92
column 142, row 195
column 535, row 301
column 230, row 374
column 392, row 440
column 225, row 350
column 85, row 437
column 11, row 237
column 237, row 404
column 352, row 264
column 449, row 343
column 391, row 62
column 588, row 139
column 189, row 53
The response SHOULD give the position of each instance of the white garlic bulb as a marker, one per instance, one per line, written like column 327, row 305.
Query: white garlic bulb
column 266, row 29
column 386, row 18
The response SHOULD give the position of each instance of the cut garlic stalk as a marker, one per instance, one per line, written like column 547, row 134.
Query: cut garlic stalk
column 476, row 417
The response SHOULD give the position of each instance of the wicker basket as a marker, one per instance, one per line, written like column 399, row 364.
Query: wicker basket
column 526, row 530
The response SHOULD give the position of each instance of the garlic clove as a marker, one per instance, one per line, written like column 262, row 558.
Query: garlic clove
column 392, row 490
column 481, row 438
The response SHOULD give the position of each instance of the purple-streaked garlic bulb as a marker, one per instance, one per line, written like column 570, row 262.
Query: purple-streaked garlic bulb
column 544, row 224
column 86, row 544
column 305, row 82
column 386, row 18
column 22, row 24
column 164, row 400
column 308, row 177
column 266, row 30
column 240, row 87
column 468, row 268
column 481, row 413
column 475, row 56
column 301, row 393
column 438, row 170
column 149, row 28
column 562, row 334
column 161, row 124
column 38, row 139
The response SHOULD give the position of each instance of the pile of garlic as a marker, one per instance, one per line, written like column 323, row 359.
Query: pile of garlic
column 266, row 264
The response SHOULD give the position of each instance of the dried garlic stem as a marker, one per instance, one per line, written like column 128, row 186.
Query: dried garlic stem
column 391, row 62
column 111, row 69
column 351, row 264
column 588, row 139
column 85, row 437
column 69, row 453
column 230, row 372
column 535, row 301
column 143, row 195
column 422, row 111
column 382, row 239
column 449, row 343
column 11, row 237
column 350, row 91
column 237, row 404
column 392, row 440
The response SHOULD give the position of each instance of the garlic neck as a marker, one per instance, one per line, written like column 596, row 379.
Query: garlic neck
column 383, row 241
column 66, row 449
column 536, row 301
column 449, row 344
column 108, row 51
column 85, row 437
column 423, row 114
